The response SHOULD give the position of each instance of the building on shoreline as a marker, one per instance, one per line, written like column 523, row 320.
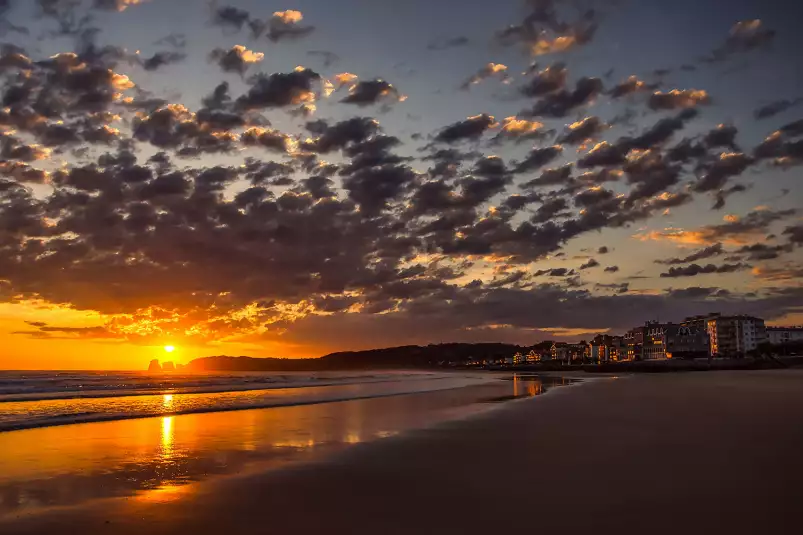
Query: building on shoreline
column 730, row 336
column 634, row 342
column 654, row 346
column 708, row 335
column 670, row 340
column 607, row 348
column 784, row 335
column 569, row 353
column 685, row 342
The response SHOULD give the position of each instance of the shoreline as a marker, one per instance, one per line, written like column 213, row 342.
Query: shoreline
column 721, row 452
column 300, row 396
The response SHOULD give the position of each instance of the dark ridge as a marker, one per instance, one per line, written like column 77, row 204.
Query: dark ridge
column 393, row 357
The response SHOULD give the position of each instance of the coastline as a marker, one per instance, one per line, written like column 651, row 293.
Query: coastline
column 169, row 403
column 690, row 453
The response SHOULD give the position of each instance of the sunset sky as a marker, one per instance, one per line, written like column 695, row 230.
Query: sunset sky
column 287, row 179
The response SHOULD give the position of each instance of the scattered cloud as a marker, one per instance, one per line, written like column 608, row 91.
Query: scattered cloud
column 677, row 98
column 693, row 270
column 489, row 70
column 237, row 59
column 707, row 252
column 472, row 128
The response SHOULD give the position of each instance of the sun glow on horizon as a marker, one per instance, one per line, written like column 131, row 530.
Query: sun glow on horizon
column 169, row 349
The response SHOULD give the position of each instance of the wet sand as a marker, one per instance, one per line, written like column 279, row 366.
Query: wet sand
column 679, row 453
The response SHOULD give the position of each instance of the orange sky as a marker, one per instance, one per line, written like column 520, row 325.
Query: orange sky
column 23, row 350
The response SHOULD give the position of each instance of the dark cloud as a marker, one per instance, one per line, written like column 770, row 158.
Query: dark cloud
column 715, row 174
column 174, row 127
column 697, row 292
column 744, row 36
column 693, row 270
column 176, row 40
column 555, row 272
column 686, row 151
column 722, row 136
column 630, row 86
column 550, row 27
column 603, row 250
column 795, row 234
column 282, row 25
column 279, row 90
column 162, row 59
column 619, row 288
column 365, row 93
column 601, row 176
column 470, row 129
column 676, row 98
column 549, row 80
column 612, row 269
column 538, row 158
column 266, row 138
column 604, row 155
column 237, row 59
column 782, row 147
column 581, row 131
column 260, row 172
column 656, row 135
column 490, row 69
column 339, row 135
column 706, row 252
column 329, row 58
column 559, row 104
column 232, row 17
column 550, row 210
column 774, row 108
column 551, row 177
column 373, row 188
column 762, row 251
column 448, row 42
column 22, row 172
column 590, row 264
column 793, row 129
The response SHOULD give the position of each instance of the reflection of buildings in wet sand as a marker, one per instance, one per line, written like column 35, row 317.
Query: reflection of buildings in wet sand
column 534, row 386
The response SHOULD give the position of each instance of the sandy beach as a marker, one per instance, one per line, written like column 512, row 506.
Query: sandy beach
column 678, row 453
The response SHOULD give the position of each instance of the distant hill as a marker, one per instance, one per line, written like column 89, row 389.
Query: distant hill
column 393, row 357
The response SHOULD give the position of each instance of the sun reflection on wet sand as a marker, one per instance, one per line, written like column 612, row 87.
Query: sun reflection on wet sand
column 153, row 459
column 167, row 438
column 164, row 494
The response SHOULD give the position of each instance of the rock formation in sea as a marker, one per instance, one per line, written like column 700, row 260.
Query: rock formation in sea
column 154, row 366
column 168, row 367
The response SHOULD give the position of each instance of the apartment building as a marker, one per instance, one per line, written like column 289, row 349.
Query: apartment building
column 784, row 335
column 731, row 336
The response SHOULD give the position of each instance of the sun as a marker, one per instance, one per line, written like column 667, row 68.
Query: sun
column 170, row 349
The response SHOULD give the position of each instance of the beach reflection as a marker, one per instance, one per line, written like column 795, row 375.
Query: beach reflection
column 155, row 459
column 167, row 438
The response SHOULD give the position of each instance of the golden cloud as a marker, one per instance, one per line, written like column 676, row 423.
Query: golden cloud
column 515, row 126
column 551, row 46
column 248, row 56
column 290, row 16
